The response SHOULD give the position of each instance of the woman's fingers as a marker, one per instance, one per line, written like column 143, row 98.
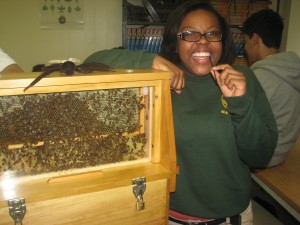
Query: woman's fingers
column 231, row 82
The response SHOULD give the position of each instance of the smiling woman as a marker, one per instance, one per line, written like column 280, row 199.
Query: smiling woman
column 191, row 41
column 219, row 129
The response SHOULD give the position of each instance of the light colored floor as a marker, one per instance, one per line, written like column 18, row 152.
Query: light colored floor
column 262, row 217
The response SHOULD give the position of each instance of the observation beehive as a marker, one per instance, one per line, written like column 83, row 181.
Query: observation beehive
column 86, row 149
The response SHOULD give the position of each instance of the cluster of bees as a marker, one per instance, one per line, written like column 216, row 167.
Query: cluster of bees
column 60, row 131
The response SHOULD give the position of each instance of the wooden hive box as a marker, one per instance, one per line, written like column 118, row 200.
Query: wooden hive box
column 86, row 149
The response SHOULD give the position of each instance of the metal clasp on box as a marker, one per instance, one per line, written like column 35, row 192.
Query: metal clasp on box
column 17, row 209
column 139, row 187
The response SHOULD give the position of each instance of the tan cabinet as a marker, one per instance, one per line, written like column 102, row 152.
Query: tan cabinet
column 86, row 149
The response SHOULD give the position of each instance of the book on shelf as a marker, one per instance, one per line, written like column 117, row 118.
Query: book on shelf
column 147, row 39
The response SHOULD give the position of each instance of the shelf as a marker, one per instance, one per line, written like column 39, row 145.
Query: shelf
column 139, row 16
column 145, row 24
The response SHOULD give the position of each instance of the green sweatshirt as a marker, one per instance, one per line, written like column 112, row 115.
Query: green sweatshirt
column 215, row 145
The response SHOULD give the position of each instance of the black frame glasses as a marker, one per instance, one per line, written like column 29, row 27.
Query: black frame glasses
column 194, row 36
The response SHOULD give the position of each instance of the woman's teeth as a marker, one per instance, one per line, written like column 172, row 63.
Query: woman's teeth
column 201, row 54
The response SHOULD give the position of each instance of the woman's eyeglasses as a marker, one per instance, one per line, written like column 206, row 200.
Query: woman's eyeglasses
column 194, row 36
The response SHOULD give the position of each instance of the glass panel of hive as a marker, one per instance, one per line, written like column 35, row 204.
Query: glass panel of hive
column 66, row 131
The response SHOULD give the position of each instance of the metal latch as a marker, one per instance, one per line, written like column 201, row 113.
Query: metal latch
column 17, row 209
column 139, row 187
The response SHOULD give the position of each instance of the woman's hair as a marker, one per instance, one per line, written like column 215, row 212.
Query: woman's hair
column 267, row 24
column 169, row 43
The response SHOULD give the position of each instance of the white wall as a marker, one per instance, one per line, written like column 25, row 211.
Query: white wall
column 293, row 37
column 22, row 38
column 284, row 11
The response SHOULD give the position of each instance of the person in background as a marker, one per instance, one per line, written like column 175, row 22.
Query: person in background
column 223, row 122
column 279, row 75
column 7, row 64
